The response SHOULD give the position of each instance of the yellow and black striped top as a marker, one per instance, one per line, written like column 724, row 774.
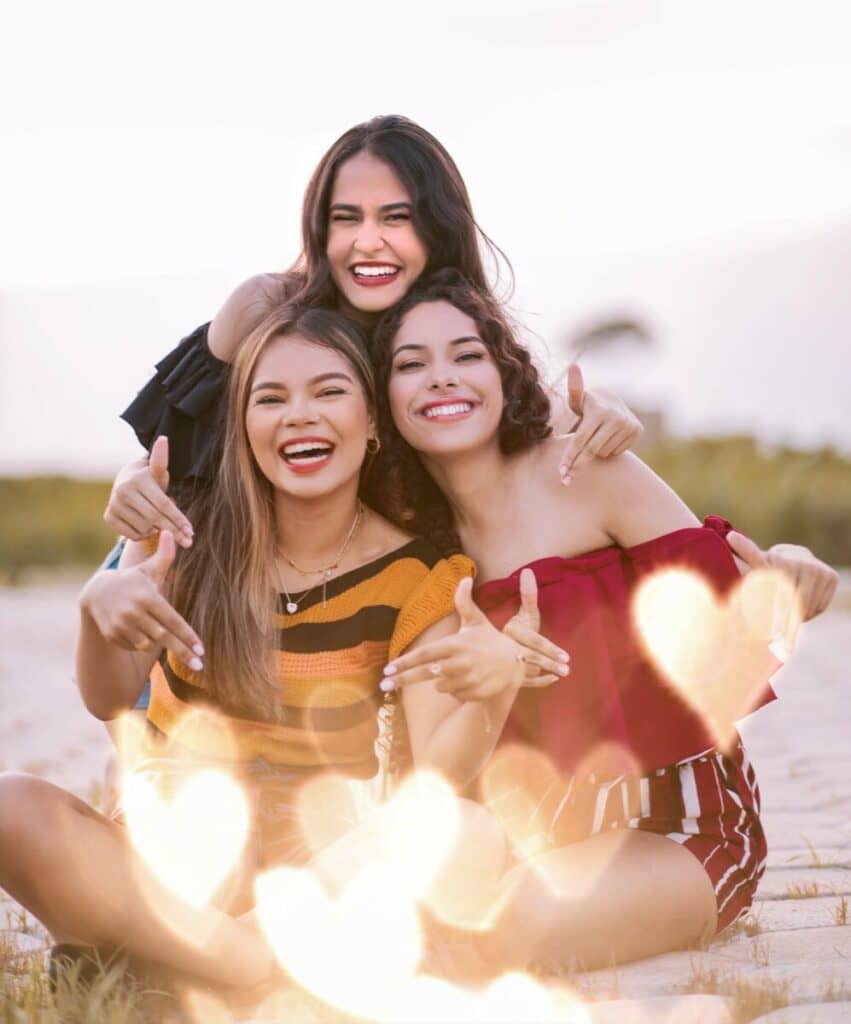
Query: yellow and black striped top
column 329, row 663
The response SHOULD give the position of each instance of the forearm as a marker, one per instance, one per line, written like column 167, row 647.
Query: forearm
column 110, row 679
column 246, row 308
column 464, row 741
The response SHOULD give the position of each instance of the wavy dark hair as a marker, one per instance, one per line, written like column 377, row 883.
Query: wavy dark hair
column 525, row 418
column 441, row 210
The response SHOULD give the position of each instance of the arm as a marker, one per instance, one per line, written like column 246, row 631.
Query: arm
column 124, row 624
column 245, row 308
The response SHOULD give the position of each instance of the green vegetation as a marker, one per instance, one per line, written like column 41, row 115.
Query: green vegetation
column 51, row 521
column 771, row 494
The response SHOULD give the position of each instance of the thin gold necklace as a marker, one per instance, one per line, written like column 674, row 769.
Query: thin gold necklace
column 326, row 570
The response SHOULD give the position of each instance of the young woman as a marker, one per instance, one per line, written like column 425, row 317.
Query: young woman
column 297, row 594
column 385, row 204
column 646, row 820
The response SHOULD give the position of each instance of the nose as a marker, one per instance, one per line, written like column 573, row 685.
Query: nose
column 299, row 410
column 369, row 238
column 443, row 378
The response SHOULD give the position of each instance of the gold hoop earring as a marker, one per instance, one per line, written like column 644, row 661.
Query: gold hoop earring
column 373, row 444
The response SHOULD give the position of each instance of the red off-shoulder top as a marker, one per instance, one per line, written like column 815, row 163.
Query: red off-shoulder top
column 614, row 698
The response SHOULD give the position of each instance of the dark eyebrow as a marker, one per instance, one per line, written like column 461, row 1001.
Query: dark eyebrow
column 352, row 208
column 455, row 341
column 275, row 385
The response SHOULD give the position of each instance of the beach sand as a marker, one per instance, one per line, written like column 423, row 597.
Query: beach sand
column 795, row 947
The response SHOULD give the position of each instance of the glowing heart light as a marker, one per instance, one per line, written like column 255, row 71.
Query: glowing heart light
column 353, row 952
column 718, row 654
column 192, row 842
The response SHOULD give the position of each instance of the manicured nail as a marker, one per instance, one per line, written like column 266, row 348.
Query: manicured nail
column 390, row 669
column 563, row 656
column 198, row 649
column 387, row 685
column 566, row 477
column 196, row 664
column 563, row 670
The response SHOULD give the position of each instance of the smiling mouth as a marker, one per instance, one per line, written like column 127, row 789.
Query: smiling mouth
column 372, row 275
column 306, row 454
column 447, row 411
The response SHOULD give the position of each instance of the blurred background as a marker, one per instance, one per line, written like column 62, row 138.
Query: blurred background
column 670, row 180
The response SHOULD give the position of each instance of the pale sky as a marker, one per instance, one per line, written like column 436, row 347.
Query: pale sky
column 622, row 152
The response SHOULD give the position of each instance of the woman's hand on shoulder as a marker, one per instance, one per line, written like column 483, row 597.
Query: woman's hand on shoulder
column 606, row 426
column 478, row 662
column 129, row 610
column 814, row 580
column 246, row 307
column 138, row 504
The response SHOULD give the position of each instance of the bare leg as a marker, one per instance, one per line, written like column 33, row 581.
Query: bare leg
column 652, row 896
column 75, row 870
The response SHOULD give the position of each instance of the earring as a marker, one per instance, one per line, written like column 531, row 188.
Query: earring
column 373, row 444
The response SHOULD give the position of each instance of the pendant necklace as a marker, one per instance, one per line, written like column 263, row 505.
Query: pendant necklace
column 326, row 570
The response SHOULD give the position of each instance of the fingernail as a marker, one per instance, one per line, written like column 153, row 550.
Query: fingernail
column 563, row 656
column 390, row 669
column 198, row 649
column 387, row 685
column 563, row 670
column 562, row 469
column 566, row 478
column 196, row 664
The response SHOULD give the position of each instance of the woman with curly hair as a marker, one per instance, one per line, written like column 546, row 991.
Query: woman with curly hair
column 645, row 828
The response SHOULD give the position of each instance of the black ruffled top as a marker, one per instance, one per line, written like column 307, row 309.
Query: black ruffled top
column 186, row 401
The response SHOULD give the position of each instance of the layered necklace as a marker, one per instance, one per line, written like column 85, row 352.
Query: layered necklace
column 326, row 571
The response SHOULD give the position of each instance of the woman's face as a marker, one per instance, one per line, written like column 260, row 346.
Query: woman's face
column 445, row 390
column 373, row 250
column 307, row 418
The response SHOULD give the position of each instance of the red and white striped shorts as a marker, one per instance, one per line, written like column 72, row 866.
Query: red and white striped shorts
column 709, row 804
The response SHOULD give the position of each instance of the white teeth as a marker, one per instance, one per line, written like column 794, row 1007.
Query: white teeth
column 375, row 271
column 307, row 446
column 448, row 410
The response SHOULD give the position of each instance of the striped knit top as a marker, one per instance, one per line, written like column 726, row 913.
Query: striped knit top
column 329, row 663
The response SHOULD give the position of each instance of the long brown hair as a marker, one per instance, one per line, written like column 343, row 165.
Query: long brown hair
column 525, row 419
column 442, row 213
column 226, row 584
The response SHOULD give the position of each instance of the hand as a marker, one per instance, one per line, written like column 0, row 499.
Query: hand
column 478, row 663
column 524, row 627
column 128, row 607
column 139, row 506
column 607, row 426
column 815, row 582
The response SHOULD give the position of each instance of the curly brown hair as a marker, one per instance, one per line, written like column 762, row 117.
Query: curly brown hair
column 525, row 418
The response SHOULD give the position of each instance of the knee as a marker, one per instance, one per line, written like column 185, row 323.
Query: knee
column 25, row 803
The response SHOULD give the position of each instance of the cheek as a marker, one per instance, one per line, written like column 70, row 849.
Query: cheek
column 400, row 394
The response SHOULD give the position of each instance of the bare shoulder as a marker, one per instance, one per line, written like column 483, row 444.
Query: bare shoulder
column 633, row 504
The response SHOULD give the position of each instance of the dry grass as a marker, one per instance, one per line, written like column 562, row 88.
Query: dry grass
column 748, row 998
column 802, row 891
column 840, row 912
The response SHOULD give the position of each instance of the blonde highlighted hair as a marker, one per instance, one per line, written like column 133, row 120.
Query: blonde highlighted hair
column 226, row 584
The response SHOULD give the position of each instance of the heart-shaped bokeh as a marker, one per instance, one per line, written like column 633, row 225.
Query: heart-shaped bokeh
column 717, row 653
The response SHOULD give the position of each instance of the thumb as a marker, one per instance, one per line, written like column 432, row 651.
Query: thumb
column 468, row 611
column 158, row 461
column 529, row 598
column 161, row 560
column 745, row 548
column 575, row 389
